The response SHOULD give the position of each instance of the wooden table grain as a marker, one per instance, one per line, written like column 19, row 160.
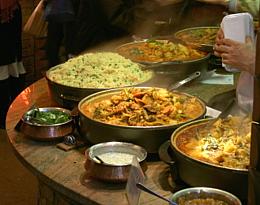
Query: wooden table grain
column 62, row 175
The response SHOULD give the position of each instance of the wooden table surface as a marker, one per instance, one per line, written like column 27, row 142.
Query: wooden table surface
column 64, row 171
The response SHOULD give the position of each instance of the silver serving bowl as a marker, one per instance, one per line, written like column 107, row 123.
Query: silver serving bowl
column 46, row 132
column 203, row 193
column 110, row 168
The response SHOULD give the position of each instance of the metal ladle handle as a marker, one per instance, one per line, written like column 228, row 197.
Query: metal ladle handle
column 146, row 189
column 184, row 81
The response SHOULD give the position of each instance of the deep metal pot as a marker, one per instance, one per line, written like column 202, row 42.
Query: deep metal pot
column 198, row 173
column 148, row 137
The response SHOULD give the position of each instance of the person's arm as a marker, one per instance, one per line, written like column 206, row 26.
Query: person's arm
column 251, row 6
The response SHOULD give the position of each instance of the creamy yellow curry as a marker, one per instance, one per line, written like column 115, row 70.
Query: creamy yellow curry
column 226, row 142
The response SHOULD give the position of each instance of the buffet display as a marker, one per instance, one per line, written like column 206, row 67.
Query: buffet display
column 107, row 89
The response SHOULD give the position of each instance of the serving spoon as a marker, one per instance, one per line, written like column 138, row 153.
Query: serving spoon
column 148, row 190
column 191, row 77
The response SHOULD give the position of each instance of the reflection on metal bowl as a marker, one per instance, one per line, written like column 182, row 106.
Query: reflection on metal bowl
column 110, row 169
column 149, row 137
column 69, row 96
column 46, row 132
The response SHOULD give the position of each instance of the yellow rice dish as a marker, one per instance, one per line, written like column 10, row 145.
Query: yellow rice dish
column 99, row 70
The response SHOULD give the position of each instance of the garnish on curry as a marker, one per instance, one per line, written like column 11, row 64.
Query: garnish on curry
column 145, row 107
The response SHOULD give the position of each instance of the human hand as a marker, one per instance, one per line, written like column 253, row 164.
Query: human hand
column 218, row 42
column 236, row 54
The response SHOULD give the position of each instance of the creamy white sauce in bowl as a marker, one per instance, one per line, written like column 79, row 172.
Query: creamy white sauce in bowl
column 116, row 158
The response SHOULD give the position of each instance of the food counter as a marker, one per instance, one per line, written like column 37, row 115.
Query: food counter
column 61, row 175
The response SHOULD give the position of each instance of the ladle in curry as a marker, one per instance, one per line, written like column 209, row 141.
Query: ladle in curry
column 146, row 189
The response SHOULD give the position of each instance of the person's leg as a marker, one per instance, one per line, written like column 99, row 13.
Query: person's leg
column 4, row 101
column 54, row 39
column 16, row 86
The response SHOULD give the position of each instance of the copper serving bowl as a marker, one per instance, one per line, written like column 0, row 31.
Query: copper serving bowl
column 46, row 132
column 113, row 167
column 149, row 137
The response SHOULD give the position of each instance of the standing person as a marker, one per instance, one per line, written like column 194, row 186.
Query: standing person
column 60, row 15
column 239, row 55
column 12, row 72
column 101, row 20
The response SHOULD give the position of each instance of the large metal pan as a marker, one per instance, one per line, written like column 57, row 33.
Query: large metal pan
column 178, row 67
column 202, row 38
column 149, row 137
column 199, row 173
column 68, row 96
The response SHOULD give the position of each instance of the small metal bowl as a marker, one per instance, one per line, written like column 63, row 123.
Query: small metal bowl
column 115, row 170
column 46, row 132
column 203, row 193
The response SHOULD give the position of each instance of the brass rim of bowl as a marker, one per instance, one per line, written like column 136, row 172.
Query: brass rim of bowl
column 143, row 153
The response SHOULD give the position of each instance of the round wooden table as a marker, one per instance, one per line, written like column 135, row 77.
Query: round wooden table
column 61, row 174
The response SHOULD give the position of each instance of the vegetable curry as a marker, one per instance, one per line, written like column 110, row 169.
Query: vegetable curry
column 145, row 107
column 152, row 51
column 226, row 142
